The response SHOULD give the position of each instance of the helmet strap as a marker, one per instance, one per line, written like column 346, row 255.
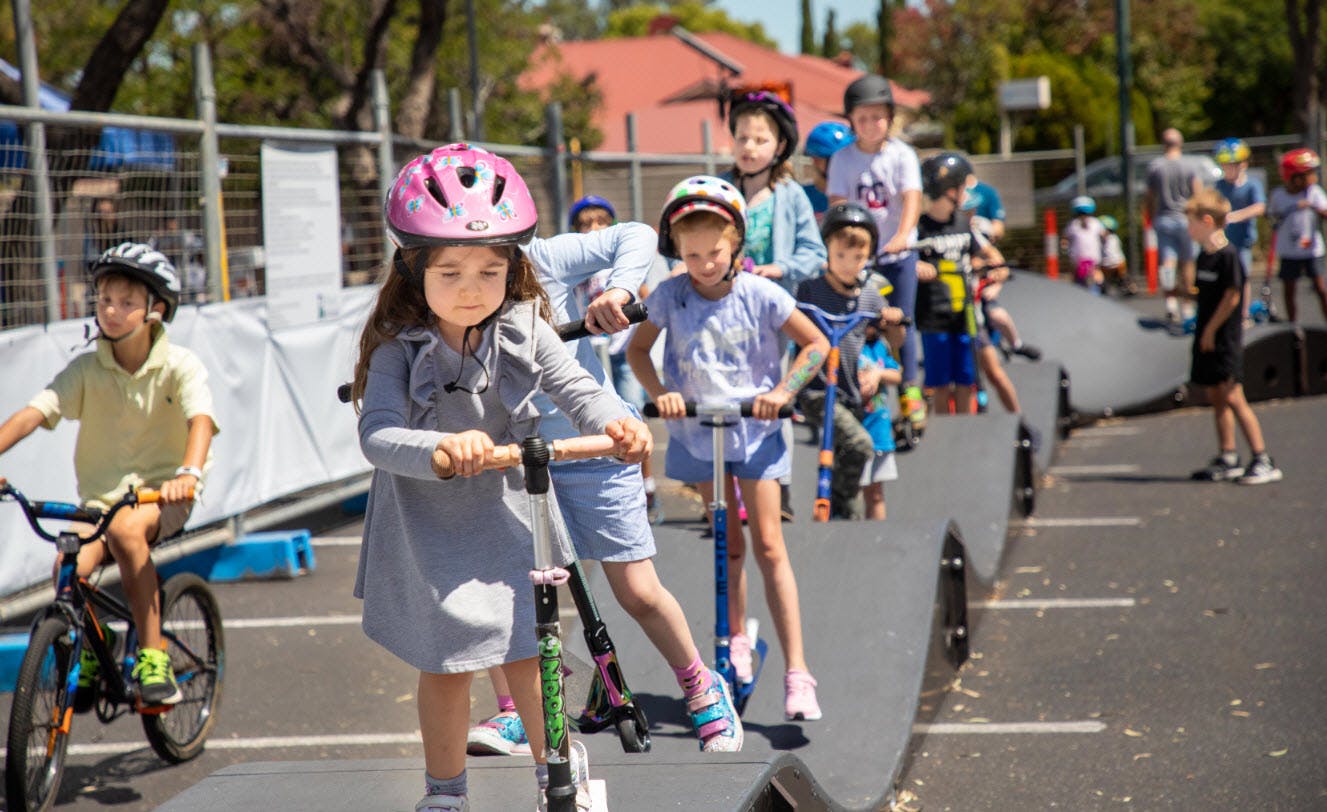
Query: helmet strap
column 403, row 267
column 742, row 177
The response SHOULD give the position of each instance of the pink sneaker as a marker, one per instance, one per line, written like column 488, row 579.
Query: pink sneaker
column 739, row 654
column 799, row 692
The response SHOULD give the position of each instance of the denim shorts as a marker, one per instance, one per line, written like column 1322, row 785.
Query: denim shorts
column 1173, row 240
column 771, row 460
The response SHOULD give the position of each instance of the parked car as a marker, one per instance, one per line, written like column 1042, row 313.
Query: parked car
column 1104, row 179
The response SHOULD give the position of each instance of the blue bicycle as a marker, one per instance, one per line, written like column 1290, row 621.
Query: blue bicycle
column 72, row 626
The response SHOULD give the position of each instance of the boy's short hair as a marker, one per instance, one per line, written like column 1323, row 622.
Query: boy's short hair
column 1211, row 203
column 697, row 220
column 853, row 236
column 106, row 276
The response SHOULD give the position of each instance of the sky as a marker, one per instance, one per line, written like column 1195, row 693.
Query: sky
column 783, row 18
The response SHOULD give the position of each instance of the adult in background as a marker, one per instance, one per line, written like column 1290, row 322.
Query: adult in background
column 1171, row 181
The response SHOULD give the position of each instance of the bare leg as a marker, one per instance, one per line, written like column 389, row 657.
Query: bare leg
column 1222, row 416
column 1320, row 287
column 1248, row 421
column 1292, row 308
column 998, row 379
column 127, row 538
column 523, row 677
column 637, row 588
column 762, row 508
column 444, row 716
column 874, row 496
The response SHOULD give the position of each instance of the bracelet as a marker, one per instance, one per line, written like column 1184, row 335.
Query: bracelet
column 189, row 470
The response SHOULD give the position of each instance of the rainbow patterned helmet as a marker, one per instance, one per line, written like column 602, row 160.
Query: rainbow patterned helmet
column 1298, row 162
column 773, row 106
column 701, row 193
column 459, row 195
column 1231, row 151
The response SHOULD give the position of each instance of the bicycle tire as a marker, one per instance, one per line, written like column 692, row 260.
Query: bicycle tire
column 189, row 613
column 35, row 757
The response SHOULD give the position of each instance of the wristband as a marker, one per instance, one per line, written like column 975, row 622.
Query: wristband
column 189, row 470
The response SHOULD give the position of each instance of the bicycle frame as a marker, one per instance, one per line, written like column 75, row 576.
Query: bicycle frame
column 835, row 327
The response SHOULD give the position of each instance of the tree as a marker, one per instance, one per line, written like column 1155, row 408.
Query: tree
column 830, row 46
column 1304, row 20
column 808, row 29
column 693, row 15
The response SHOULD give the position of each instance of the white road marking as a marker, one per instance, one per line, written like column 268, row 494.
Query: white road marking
column 336, row 541
column 1055, row 603
column 1071, row 470
column 967, row 728
column 230, row 624
column 1081, row 521
column 1107, row 431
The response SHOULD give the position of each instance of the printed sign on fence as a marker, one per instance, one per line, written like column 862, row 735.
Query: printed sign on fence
column 301, row 233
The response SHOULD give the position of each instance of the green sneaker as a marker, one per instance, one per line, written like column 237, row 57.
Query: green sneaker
column 156, row 679
column 89, row 670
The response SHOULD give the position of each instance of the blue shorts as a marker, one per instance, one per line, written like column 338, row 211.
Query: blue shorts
column 948, row 359
column 603, row 505
column 1292, row 269
column 771, row 460
column 1173, row 240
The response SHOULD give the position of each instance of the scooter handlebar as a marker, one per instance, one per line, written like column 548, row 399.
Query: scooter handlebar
column 742, row 409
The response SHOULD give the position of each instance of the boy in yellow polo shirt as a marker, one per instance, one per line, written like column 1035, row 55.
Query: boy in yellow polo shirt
column 145, row 415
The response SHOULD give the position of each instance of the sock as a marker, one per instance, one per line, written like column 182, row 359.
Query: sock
column 541, row 775
column 694, row 678
column 1172, row 306
column 1262, row 455
column 1230, row 457
column 506, row 704
column 450, row 786
column 649, row 484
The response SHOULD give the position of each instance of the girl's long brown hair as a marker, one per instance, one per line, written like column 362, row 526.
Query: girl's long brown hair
column 401, row 305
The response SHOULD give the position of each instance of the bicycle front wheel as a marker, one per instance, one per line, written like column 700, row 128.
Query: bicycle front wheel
column 191, row 627
column 38, row 735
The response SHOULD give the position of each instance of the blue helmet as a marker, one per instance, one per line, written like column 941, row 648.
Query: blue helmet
column 590, row 202
column 1083, row 205
column 827, row 138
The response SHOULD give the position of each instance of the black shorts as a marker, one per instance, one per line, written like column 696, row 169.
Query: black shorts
column 1292, row 269
column 1222, row 366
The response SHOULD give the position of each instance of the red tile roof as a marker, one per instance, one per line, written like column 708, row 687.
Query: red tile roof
column 639, row 74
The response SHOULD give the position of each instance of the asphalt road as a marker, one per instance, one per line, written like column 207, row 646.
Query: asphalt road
column 1204, row 688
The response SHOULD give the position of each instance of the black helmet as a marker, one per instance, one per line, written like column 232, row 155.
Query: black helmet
column 145, row 264
column 777, row 109
column 869, row 89
column 842, row 215
column 945, row 171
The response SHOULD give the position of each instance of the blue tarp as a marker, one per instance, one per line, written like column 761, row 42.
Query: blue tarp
column 118, row 148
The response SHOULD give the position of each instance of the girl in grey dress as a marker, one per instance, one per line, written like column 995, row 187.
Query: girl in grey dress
column 456, row 348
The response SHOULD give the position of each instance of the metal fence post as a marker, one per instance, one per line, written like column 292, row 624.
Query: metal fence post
column 633, row 172
column 455, row 118
column 1080, row 159
column 209, row 155
column 557, row 162
column 41, row 179
column 382, row 118
column 707, row 144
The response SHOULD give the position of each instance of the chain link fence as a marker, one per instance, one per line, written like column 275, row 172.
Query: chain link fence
column 100, row 198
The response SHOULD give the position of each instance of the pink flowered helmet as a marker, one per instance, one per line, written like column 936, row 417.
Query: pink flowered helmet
column 701, row 193
column 459, row 195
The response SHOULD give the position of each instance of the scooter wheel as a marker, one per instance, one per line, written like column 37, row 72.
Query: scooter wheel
column 634, row 732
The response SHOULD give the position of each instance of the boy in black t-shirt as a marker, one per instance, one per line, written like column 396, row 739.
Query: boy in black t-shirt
column 1218, row 344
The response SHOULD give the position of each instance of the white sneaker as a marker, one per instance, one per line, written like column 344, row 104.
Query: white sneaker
column 443, row 803
column 580, row 776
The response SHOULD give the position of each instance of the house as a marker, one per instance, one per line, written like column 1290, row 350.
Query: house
column 672, row 81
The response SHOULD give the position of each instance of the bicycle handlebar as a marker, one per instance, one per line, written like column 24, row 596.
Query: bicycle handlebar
column 742, row 409
column 69, row 512
column 510, row 455
column 635, row 312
